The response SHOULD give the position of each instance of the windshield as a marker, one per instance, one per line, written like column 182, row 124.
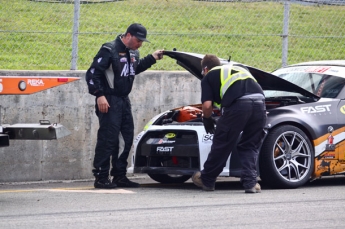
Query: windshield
column 320, row 84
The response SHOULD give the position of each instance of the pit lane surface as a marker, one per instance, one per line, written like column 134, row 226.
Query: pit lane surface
column 320, row 204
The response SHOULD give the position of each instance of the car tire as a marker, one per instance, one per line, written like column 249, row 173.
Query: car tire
column 286, row 158
column 169, row 178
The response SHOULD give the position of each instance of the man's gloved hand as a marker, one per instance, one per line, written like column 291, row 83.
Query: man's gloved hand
column 209, row 125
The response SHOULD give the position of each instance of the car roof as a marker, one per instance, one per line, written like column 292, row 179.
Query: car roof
column 321, row 62
column 328, row 67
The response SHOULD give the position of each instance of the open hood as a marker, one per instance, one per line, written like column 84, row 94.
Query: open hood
column 192, row 63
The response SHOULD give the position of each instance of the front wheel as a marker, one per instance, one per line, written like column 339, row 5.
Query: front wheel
column 286, row 158
column 169, row 178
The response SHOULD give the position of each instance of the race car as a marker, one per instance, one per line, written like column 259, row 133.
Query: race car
column 304, row 131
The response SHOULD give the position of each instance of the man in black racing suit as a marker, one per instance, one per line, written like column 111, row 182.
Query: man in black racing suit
column 110, row 78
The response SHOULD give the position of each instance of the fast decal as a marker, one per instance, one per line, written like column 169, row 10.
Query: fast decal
column 164, row 149
column 316, row 109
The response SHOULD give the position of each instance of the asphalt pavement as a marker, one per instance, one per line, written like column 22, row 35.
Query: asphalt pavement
column 76, row 204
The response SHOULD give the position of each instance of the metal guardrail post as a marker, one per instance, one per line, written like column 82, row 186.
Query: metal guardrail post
column 74, row 59
column 285, row 33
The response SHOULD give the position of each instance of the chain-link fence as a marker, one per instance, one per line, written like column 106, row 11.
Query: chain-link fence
column 66, row 34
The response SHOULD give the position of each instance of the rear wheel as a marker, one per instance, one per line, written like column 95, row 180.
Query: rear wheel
column 169, row 178
column 286, row 158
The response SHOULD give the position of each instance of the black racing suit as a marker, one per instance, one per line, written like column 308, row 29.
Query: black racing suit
column 125, row 65
column 243, row 110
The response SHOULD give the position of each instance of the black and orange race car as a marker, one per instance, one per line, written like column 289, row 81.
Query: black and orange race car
column 305, row 130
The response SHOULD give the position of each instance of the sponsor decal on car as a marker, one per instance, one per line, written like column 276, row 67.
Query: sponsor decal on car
column 316, row 109
column 207, row 138
column 318, row 69
column 157, row 141
column 333, row 70
column 138, row 137
column 170, row 135
column 164, row 150
column 342, row 109
column 329, row 156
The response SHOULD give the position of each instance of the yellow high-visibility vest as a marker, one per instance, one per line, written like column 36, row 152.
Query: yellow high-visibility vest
column 227, row 79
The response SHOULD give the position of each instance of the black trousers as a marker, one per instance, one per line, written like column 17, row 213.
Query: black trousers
column 246, row 116
column 118, row 120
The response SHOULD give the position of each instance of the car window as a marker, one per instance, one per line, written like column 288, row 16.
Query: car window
column 332, row 86
column 322, row 85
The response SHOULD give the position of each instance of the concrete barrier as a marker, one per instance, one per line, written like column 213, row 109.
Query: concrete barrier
column 70, row 158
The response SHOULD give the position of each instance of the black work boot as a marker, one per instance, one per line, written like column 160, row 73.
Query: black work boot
column 196, row 178
column 255, row 189
column 122, row 181
column 104, row 183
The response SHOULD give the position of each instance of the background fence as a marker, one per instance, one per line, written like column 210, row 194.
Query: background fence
column 66, row 34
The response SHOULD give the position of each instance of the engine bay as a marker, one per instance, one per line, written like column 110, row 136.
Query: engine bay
column 192, row 114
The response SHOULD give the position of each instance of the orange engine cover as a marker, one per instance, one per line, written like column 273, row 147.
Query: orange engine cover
column 188, row 113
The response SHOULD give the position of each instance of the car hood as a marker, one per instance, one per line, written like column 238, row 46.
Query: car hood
column 192, row 63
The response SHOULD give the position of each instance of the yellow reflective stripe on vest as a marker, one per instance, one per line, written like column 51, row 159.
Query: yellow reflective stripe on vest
column 226, row 79
column 214, row 103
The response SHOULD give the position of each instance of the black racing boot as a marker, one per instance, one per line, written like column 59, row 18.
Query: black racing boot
column 122, row 181
column 104, row 183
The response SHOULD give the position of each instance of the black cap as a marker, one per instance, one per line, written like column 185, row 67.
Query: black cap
column 138, row 31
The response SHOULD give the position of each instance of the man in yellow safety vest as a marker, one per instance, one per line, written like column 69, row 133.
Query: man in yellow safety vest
column 241, row 100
